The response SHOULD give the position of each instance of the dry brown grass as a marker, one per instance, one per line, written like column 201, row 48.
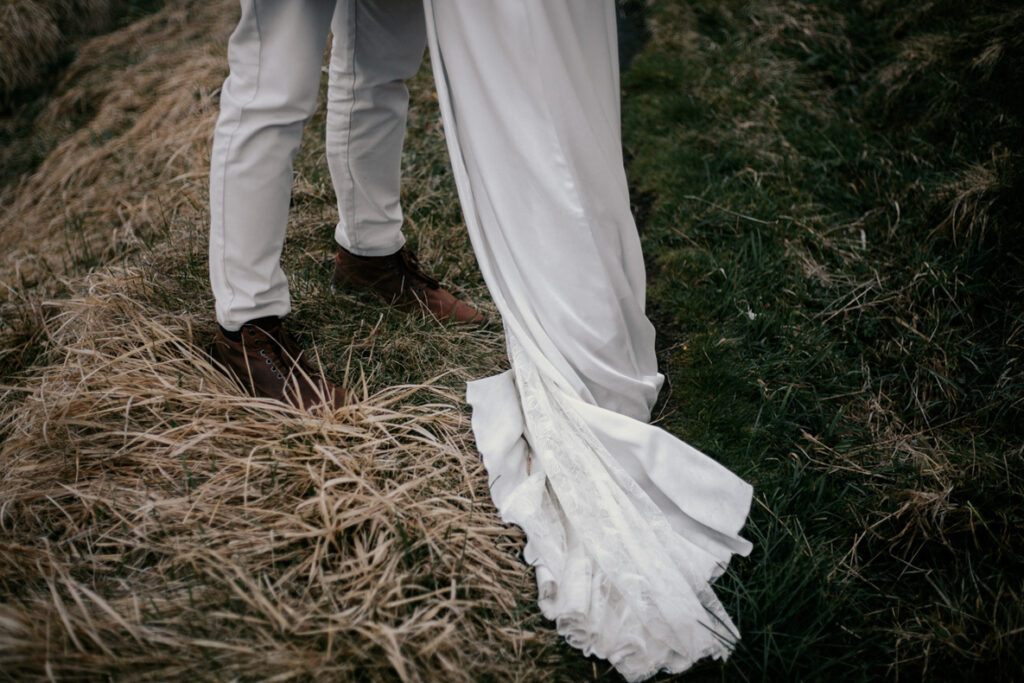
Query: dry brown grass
column 31, row 40
column 36, row 31
column 157, row 522
column 973, row 197
column 957, row 71
column 77, row 17
column 129, row 129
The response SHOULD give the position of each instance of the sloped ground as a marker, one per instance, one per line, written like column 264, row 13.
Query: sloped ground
column 830, row 201
column 157, row 523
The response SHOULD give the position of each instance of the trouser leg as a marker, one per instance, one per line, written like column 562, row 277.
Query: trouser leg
column 378, row 44
column 274, row 57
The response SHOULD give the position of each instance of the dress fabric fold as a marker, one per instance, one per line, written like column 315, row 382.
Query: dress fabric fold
column 626, row 525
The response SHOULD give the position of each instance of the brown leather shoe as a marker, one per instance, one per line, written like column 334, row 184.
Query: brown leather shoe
column 399, row 280
column 269, row 363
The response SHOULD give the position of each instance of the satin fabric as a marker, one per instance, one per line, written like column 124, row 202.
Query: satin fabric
column 626, row 525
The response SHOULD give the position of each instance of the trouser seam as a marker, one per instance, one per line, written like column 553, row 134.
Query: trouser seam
column 353, row 32
column 227, row 153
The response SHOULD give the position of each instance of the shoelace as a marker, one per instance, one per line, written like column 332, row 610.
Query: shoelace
column 272, row 359
column 410, row 263
column 271, row 344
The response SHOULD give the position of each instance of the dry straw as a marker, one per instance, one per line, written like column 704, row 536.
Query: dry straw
column 157, row 521
column 129, row 129
column 31, row 41
column 36, row 31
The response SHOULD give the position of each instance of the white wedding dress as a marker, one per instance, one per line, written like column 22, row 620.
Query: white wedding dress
column 626, row 525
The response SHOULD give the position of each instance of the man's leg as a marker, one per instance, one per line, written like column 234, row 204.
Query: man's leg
column 378, row 45
column 274, row 56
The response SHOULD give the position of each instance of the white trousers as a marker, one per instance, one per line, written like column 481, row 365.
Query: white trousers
column 275, row 56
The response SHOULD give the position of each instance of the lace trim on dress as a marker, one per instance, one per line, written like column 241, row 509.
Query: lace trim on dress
column 619, row 581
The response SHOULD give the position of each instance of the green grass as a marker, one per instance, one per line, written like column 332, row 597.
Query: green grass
column 830, row 336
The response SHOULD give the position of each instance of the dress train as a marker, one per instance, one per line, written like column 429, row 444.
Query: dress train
column 626, row 525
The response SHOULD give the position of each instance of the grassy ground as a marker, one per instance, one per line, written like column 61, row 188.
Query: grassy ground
column 832, row 218
column 830, row 200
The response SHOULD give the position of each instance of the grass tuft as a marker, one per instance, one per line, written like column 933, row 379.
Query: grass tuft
column 160, row 523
